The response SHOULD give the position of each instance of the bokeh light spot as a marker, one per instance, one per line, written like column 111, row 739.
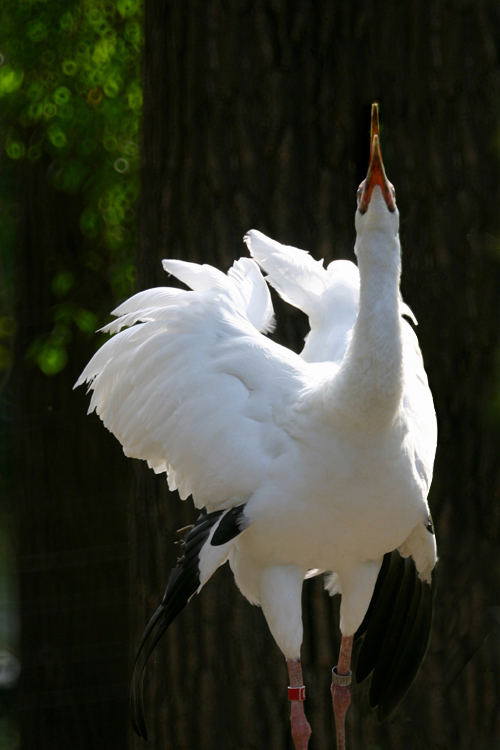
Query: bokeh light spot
column 86, row 320
column 127, row 8
column 15, row 149
column 11, row 79
column 36, row 31
column 112, row 87
column 35, row 91
column 62, row 283
column 69, row 67
column 57, row 136
column 94, row 97
column 122, row 165
column 90, row 223
column 67, row 22
column 34, row 152
column 62, row 95
column 52, row 358
column 70, row 75
column 49, row 110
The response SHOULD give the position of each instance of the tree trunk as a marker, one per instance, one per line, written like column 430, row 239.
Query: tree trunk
column 257, row 115
column 71, row 484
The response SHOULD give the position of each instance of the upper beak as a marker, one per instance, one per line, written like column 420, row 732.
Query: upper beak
column 376, row 172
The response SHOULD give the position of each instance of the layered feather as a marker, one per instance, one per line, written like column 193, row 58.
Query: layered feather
column 193, row 358
column 189, row 384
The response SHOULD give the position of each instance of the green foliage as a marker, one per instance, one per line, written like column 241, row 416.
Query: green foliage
column 70, row 93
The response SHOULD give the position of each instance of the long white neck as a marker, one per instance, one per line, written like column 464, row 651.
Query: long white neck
column 369, row 385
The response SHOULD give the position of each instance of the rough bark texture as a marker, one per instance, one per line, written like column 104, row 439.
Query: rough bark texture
column 257, row 115
column 70, row 487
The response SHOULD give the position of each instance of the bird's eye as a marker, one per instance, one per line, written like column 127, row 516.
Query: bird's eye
column 393, row 191
column 358, row 194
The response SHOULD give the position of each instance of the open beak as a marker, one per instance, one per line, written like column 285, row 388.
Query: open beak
column 376, row 172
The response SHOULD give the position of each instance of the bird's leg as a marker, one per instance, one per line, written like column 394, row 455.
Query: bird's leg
column 341, row 692
column 301, row 731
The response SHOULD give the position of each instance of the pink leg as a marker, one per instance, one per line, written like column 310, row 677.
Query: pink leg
column 301, row 731
column 341, row 693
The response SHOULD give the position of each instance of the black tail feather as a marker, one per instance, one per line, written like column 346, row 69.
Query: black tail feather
column 136, row 701
column 412, row 651
column 395, row 632
column 375, row 626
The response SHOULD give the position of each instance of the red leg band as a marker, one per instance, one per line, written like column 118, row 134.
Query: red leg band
column 297, row 693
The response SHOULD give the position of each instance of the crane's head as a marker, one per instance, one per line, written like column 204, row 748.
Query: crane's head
column 376, row 177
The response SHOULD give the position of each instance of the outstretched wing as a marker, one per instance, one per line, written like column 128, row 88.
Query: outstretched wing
column 299, row 279
column 328, row 296
column 193, row 388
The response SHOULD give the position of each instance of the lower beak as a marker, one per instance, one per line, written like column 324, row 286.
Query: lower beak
column 376, row 176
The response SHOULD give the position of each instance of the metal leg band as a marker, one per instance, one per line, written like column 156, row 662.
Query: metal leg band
column 297, row 693
column 341, row 679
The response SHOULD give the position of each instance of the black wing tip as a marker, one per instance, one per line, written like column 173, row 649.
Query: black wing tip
column 395, row 633
column 183, row 583
column 232, row 524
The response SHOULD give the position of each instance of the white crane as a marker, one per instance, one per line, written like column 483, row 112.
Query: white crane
column 300, row 464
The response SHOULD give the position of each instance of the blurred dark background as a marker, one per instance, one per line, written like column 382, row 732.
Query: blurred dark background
column 178, row 127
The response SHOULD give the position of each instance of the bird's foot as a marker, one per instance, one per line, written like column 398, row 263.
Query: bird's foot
column 341, row 697
column 301, row 731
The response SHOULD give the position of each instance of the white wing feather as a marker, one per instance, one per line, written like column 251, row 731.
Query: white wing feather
column 159, row 385
column 299, row 279
column 244, row 284
column 328, row 296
